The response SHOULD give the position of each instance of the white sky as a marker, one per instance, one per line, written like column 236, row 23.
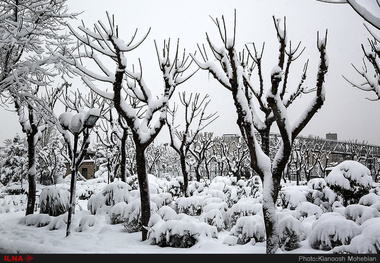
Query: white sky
column 346, row 110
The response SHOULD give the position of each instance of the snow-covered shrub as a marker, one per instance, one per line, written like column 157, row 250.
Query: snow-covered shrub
column 58, row 222
column 161, row 199
column 245, row 207
column 37, row 220
column 166, row 213
column 213, row 217
column 110, row 195
column 306, row 209
column 174, row 188
column 316, row 184
column 86, row 222
column 360, row 213
column 222, row 207
column 369, row 199
column 132, row 215
column 291, row 196
column 195, row 187
column 116, row 192
column 367, row 242
column 338, row 208
column 54, row 201
column 214, row 193
column 14, row 189
column 249, row 229
column 290, row 230
column 191, row 205
column 350, row 180
column 182, row 232
column 97, row 204
column 116, row 213
column 331, row 230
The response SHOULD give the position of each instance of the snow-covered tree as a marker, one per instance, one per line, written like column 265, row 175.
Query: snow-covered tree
column 143, row 111
column 370, row 12
column 50, row 162
column 13, row 161
column 31, row 36
column 234, row 72
column 195, row 122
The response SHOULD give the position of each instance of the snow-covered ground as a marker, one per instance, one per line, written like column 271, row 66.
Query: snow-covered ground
column 223, row 216
column 106, row 238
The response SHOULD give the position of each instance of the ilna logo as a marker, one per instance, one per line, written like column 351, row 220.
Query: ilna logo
column 8, row 258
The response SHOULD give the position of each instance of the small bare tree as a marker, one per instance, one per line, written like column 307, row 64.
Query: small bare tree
column 182, row 141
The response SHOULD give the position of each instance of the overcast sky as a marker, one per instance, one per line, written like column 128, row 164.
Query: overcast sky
column 346, row 111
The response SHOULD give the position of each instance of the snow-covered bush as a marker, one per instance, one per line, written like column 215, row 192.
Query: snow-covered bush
column 291, row 196
column 191, row 205
column 290, row 230
column 350, row 180
column 331, row 230
column 116, row 192
column 96, row 204
column 161, row 199
column 132, row 214
column 195, row 187
column 182, row 232
column 369, row 199
column 174, row 188
column 220, row 206
column 58, row 222
column 367, row 242
column 54, row 201
column 306, row 209
column 166, row 213
column 110, row 195
column 86, row 222
column 249, row 229
column 37, row 220
column 360, row 213
column 316, row 184
column 245, row 207
column 116, row 213
column 256, row 184
column 213, row 217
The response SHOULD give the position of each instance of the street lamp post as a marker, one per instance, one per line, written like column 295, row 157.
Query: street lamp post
column 77, row 124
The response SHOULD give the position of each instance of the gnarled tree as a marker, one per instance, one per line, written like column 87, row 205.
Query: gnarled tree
column 143, row 111
column 235, row 71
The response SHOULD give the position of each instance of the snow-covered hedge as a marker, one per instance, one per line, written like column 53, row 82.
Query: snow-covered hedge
column 291, row 231
column 331, row 230
column 54, row 200
column 291, row 196
column 132, row 215
column 249, row 229
column 367, row 242
column 306, row 209
column 360, row 213
column 38, row 220
column 350, row 180
column 245, row 207
column 182, row 232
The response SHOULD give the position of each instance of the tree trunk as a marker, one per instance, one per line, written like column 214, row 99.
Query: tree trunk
column 144, row 189
column 31, row 174
column 74, row 171
column 269, row 212
column 123, row 156
column 185, row 175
